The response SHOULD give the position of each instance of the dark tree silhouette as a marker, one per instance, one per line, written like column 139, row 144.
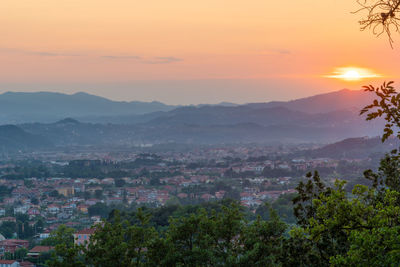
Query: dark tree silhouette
column 382, row 16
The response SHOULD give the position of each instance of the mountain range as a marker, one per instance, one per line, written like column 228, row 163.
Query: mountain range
column 339, row 100
column 20, row 107
column 94, row 120
column 358, row 147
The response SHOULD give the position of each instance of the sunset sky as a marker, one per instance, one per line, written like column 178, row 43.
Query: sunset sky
column 187, row 52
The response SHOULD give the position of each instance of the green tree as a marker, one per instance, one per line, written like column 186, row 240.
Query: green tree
column 373, row 232
column 8, row 229
column 387, row 105
column 119, row 182
column 62, row 235
column 100, row 209
column 263, row 242
column 21, row 253
column 201, row 239
column 28, row 183
column 54, row 193
column 98, row 194
column 66, row 253
column 118, row 243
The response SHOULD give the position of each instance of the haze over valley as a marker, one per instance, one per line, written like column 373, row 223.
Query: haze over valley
column 82, row 119
column 199, row 133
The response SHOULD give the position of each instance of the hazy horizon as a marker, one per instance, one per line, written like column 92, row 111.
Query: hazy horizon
column 192, row 92
column 187, row 53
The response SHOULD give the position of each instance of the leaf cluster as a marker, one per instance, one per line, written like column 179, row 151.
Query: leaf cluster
column 387, row 106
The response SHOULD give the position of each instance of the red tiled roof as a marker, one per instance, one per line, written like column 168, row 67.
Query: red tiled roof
column 26, row 264
column 7, row 261
column 14, row 241
column 8, row 218
column 38, row 249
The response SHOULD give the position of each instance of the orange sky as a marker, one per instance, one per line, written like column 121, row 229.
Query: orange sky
column 180, row 51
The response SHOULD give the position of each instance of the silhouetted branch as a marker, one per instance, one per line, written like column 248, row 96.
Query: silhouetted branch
column 383, row 16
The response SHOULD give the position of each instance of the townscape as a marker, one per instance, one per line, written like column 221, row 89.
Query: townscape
column 42, row 191
column 199, row 133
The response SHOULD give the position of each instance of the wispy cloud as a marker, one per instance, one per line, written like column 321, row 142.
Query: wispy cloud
column 39, row 53
column 122, row 57
column 135, row 58
column 276, row 51
column 144, row 60
column 50, row 54
column 162, row 60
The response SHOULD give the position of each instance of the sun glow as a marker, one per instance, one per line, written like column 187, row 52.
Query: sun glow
column 352, row 74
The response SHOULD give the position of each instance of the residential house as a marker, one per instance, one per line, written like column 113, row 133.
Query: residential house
column 38, row 250
column 83, row 236
column 7, row 219
column 9, row 263
column 21, row 209
column 53, row 209
column 66, row 190
column 45, row 234
column 33, row 212
column 11, row 245
column 26, row 264
column 83, row 208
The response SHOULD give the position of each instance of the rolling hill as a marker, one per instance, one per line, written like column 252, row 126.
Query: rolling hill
column 13, row 138
column 339, row 100
column 94, row 120
column 16, row 107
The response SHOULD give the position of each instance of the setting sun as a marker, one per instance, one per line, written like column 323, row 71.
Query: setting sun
column 352, row 74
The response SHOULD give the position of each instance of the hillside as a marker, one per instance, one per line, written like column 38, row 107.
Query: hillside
column 13, row 138
column 360, row 147
column 99, row 121
column 17, row 107
column 47, row 106
column 339, row 100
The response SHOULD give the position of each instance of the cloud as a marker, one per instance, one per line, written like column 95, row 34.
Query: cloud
column 122, row 57
column 143, row 60
column 162, row 60
column 50, row 54
column 38, row 53
column 134, row 58
column 275, row 51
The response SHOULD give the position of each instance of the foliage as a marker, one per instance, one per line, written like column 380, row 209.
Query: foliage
column 66, row 253
column 119, row 243
column 374, row 235
column 63, row 235
column 388, row 174
column 283, row 206
column 7, row 229
column 99, row 209
column 119, row 182
column 387, row 105
column 54, row 193
column 21, row 253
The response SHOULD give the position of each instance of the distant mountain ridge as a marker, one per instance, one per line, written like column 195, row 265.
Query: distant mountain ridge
column 360, row 147
column 14, row 138
column 339, row 100
column 94, row 120
column 22, row 107
column 19, row 107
